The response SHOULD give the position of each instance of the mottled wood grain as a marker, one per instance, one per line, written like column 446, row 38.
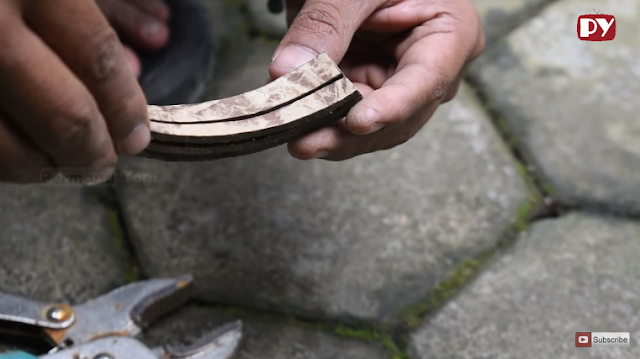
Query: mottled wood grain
column 299, row 83
column 274, row 121
column 308, row 98
column 191, row 152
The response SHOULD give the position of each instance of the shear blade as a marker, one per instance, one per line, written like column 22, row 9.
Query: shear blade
column 125, row 311
column 219, row 344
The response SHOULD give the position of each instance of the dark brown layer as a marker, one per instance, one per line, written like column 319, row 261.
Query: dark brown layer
column 172, row 151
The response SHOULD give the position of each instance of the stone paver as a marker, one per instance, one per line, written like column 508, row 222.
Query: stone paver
column 361, row 238
column 260, row 339
column 57, row 244
column 573, row 105
column 499, row 17
column 577, row 273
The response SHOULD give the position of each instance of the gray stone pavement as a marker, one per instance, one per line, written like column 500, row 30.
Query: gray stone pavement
column 499, row 17
column 266, row 338
column 58, row 244
column 578, row 273
column 572, row 105
column 385, row 241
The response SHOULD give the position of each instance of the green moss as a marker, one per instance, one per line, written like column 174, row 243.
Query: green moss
column 525, row 211
column 113, row 221
column 131, row 273
column 369, row 334
column 504, row 128
column 372, row 336
column 362, row 334
column 413, row 315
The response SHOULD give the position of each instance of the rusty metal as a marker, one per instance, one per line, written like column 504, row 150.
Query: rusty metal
column 105, row 327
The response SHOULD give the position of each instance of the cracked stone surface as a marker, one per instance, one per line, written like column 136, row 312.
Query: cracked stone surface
column 576, row 273
column 501, row 16
column 261, row 339
column 56, row 244
column 357, row 239
column 573, row 105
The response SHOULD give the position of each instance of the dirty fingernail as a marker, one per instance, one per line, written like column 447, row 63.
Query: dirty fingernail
column 137, row 141
column 151, row 29
column 321, row 154
column 292, row 57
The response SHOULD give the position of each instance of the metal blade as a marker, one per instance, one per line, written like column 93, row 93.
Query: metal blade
column 18, row 309
column 220, row 344
column 125, row 311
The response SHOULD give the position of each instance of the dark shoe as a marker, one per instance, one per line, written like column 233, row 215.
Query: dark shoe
column 179, row 72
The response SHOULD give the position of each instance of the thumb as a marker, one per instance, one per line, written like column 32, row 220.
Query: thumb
column 320, row 26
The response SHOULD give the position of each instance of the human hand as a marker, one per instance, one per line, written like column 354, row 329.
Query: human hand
column 140, row 23
column 68, row 99
column 405, row 56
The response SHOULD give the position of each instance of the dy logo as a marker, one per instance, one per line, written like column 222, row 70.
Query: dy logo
column 598, row 27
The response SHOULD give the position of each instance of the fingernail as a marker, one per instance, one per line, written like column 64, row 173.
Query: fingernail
column 320, row 154
column 375, row 128
column 133, row 66
column 137, row 141
column 292, row 57
column 151, row 29
column 373, row 116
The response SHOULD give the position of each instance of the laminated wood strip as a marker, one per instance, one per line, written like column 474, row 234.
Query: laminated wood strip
column 300, row 102
column 200, row 152
column 292, row 115
column 319, row 72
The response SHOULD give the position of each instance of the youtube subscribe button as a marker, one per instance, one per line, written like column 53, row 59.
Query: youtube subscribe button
column 602, row 339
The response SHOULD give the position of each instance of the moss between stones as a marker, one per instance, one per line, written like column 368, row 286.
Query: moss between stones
column 113, row 222
column 504, row 130
column 114, row 226
column 525, row 212
column 414, row 315
column 370, row 334
column 411, row 316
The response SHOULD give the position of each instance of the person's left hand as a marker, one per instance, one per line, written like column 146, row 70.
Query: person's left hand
column 405, row 56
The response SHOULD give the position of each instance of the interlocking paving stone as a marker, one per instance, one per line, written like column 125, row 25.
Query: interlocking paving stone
column 261, row 339
column 501, row 16
column 356, row 239
column 572, row 274
column 573, row 105
column 56, row 244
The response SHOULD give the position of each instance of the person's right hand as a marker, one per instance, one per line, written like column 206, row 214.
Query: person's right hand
column 68, row 99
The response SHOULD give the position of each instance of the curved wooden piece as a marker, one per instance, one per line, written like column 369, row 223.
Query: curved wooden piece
column 270, row 122
column 302, row 101
column 299, row 83
column 199, row 152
